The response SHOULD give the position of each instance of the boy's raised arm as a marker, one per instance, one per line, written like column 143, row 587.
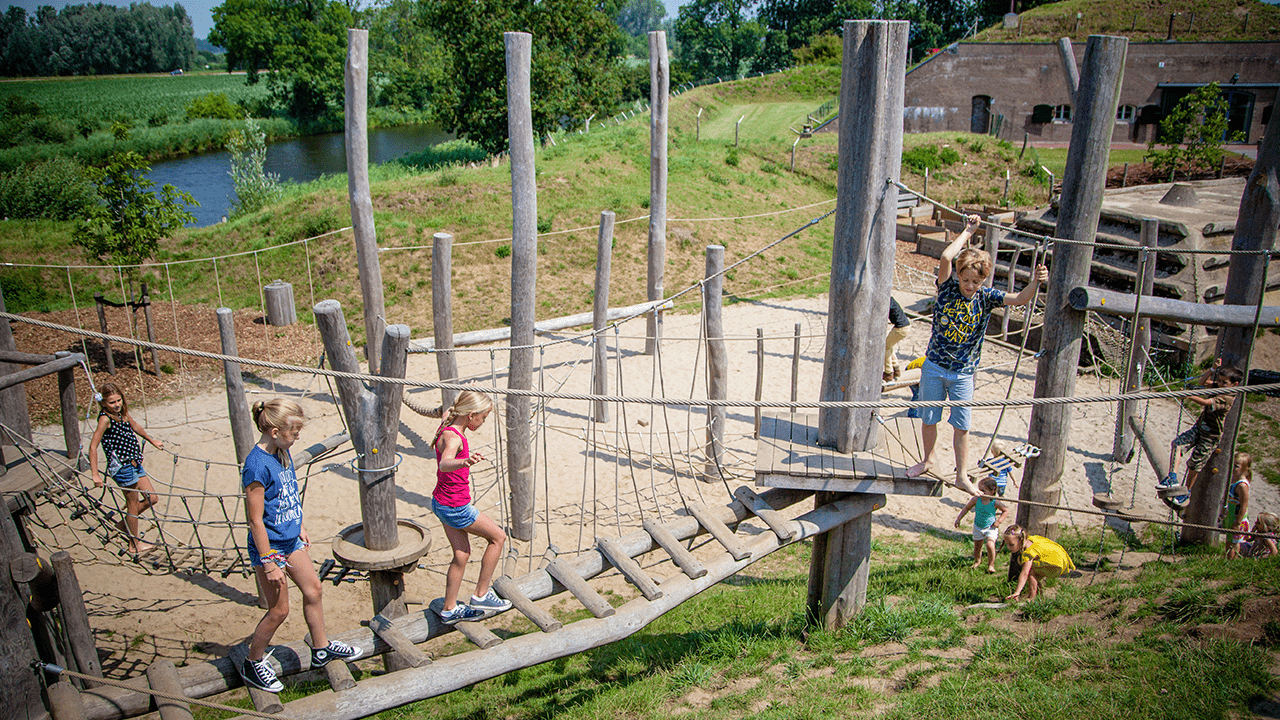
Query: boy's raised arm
column 952, row 250
column 1028, row 293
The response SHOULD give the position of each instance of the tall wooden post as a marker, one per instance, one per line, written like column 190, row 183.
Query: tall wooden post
column 1139, row 342
column 75, row 617
column 1082, row 190
column 717, row 361
column 356, row 136
column 600, row 316
column 67, row 404
column 151, row 331
column 1072, row 72
column 237, row 404
column 871, row 107
column 524, row 282
column 19, row 687
column 659, row 94
column 1256, row 225
column 98, row 300
column 373, row 417
column 13, row 401
column 442, row 312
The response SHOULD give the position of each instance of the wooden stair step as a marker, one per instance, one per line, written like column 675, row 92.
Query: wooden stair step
column 719, row 531
column 338, row 674
column 780, row 526
column 679, row 555
column 263, row 701
column 576, row 584
column 478, row 634
column 510, row 590
column 628, row 566
column 399, row 642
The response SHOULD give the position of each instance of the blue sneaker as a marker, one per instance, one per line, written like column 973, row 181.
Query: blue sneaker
column 1169, row 480
column 461, row 613
column 490, row 602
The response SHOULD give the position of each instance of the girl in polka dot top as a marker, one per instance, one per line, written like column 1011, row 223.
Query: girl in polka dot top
column 118, row 433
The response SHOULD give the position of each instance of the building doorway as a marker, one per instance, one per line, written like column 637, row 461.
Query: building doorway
column 980, row 117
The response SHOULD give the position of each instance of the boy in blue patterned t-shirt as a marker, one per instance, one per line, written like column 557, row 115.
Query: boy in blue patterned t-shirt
column 960, row 315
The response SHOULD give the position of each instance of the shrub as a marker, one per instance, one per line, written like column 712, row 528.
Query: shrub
column 929, row 156
column 447, row 153
column 214, row 105
column 54, row 189
column 502, row 251
column 255, row 187
column 731, row 158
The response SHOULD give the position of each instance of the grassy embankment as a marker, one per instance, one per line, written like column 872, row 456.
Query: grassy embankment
column 1144, row 21
column 1168, row 641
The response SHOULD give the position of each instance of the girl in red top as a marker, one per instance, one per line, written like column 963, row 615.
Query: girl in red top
column 451, row 502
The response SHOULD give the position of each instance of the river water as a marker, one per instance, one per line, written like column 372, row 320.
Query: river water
column 302, row 159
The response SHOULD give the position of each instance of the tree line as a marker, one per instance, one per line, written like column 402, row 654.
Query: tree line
column 96, row 40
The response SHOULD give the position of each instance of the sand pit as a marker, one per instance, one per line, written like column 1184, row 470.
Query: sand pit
column 583, row 488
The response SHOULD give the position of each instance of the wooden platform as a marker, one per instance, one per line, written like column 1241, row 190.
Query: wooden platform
column 788, row 456
column 20, row 477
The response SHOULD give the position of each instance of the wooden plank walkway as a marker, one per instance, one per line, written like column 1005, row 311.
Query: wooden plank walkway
column 19, row 477
column 788, row 456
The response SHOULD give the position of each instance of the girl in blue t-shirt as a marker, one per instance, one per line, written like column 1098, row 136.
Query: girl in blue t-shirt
column 960, row 315
column 988, row 513
column 278, row 544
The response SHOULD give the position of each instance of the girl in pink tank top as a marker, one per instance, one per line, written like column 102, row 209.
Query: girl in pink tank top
column 451, row 502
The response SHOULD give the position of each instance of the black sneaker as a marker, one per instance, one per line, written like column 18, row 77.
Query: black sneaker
column 461, row 613
column 260, row 674
column 335, row 650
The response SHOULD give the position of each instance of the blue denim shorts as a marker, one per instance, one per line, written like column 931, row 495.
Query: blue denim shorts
column 938, row 383
column 284, row 547
column 127, row 475
column 458, row 518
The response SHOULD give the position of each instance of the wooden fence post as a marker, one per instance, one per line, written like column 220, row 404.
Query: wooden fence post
column 356, row 132
column 871, row 107
column 759, row 375
column 13, row 401
column 717, row 361
column 524, row 281
column 659, row 94
column 1083, row 184
column 1139, row 342
column 19, row 687
column 1247, row 277
column 600, row 316
column 151, row 331
column 242, row 434
column 75, row 617
column 67, row 404
column 102, row 324
column 442, row 313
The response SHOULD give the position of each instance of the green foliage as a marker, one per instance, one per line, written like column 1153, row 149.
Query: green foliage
column 502, row 251
column 55, row 189
column 453, row 152
column 126, row 224
column 825, row 49
column 213, row 105
column 1192, row 134
column 545, row 223
column 255, row 188
column 731, row 157
column 96, row 39
column 25, row 289
column 639, row 17
column 929, row 156
column 719, row 37
column 576, row 57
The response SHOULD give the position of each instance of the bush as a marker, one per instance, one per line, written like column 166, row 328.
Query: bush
column 929, row 156
column 54, row 189
column 214, row 105
column 255, row 188
column 446, row 153
column 25, row 290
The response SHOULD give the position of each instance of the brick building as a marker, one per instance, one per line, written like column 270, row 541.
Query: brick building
column 1009, row 88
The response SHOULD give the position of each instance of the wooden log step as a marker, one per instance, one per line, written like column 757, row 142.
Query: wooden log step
column 163, row 676
column 1106, row 502
column 399, row 642
column 510, row 590
column 628, row 566
column 479, row 634
column 547, row 556
column 780, row 526
column 576, row 584
column 1168, row 491
column 669, row 542
column 338, row 673
column 719, row 531
column 263, row 701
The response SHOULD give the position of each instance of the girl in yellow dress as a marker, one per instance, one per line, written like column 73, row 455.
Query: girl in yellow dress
column 1040, row 557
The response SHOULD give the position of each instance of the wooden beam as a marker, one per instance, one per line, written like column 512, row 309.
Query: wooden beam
column 774, row 519
column 23, row 358
column 1111, row 302
column 39, row 371
column 576, row 584
column 163, row 676
column 717, row 361
column 242, row 435
column 1157, row 450
column 862, row 257
column 718, row 530
column 629, row 568
column 356, row 136
column 75, row 617
column 396, row 638
column 510, row 590
column 1139, row 344
column 1083, row 185
column 667, row 540
column 442, row 312
column 600, row 316
column 69, row 411
column 659, row 100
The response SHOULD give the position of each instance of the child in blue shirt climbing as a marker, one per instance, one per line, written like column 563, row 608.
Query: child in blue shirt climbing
column 960, row 316
column 988, row 513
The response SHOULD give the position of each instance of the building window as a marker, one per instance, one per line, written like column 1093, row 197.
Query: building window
column 1062, row 113
column 1042, row 114
column 1126, row 113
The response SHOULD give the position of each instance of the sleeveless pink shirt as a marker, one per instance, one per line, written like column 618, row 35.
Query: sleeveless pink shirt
column 453, row 488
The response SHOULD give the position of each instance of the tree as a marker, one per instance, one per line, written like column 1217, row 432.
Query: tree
column 638, row 17
column 717, row 38
column 576, row 61
column 255, row 187
column 126, row 224
column 1193, row 134
column 301, row 45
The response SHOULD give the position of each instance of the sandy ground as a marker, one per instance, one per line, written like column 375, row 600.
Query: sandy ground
column 138, row 613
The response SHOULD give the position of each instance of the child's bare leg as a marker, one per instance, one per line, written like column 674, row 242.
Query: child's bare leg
column 961, row 440
column 304, row 576
column 928, row 439
column 1175, row 455
column 1192, row 474
column 977, row 554
column 1033, row 586
column 991, row 556
column 487, row 529
column 277, row 597
column 129, row 525
column 461, row 545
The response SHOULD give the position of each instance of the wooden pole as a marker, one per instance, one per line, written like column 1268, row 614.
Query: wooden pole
column 163, row 676
column 1256, row 229
column 795, row 366
column 600, row 316
column 717, row 360
column 1072, row 72
column 75, row 617
column 102, row 323
column 870, row 155
column 992, row 245
column 13, row 401
column 151, row 331
column 759, row 375
column 1009, row 280
column 1139, row 342
column 19, row 687
column 659, row 93
column 442, row 312
column 242, row 434
column 1082, row 190
column 67, row 403
column 356, row 136
column 846, row 567
column 524, row 268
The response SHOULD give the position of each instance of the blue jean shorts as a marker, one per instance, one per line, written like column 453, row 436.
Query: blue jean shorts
column 938, row 383
column 284, row 547
column 127, row 475
column 458, row 518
